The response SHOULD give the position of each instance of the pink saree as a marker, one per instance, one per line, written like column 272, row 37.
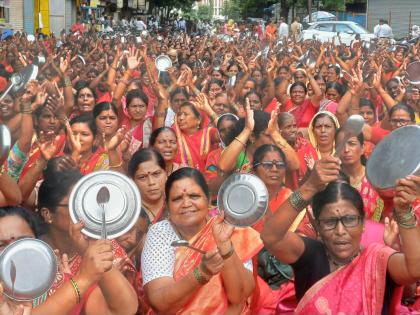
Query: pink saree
column 357, row 288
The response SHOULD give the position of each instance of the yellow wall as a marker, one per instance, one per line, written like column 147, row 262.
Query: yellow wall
column 42, row 6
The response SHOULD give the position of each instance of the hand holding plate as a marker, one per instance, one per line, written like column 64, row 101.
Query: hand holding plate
column 96, row 261
column 222, row 232
column 406, row 192
column 9, row 307
column 80, row 241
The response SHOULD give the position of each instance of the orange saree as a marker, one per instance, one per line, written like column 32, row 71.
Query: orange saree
column 211, row 298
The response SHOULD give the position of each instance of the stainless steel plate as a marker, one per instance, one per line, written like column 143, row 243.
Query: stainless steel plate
column 243, row 198
column 122, row 210
column 36, row 269
column 395, row 157
column 5, row 141
column 163, row 62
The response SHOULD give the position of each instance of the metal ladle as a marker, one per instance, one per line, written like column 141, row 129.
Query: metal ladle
column 353, row 127
column 184, row 243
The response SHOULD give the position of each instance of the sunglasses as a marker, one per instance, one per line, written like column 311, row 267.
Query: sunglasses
column 268, row 165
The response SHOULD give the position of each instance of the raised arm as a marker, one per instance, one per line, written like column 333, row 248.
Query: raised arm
column 285, row 245
column 404, row 268
column 230, row 154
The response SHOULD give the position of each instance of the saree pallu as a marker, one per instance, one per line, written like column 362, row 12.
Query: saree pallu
column 373, row 204
column 211, row 298
column 357, row 288
column 98, row 161
column 193, row 149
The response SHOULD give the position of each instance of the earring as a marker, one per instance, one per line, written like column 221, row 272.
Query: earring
column 49, row 221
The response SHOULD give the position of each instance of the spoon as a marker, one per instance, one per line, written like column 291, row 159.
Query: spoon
column 102, row 199
column 185, row 243
column 13, row 276
column 353, row 127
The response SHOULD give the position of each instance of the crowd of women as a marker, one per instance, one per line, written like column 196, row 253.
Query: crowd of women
column 330, row 243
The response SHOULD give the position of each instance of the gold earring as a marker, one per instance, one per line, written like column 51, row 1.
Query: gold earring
column 49, row 221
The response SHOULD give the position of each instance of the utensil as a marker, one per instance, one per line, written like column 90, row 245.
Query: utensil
column 102, row 198
column 19, row 80
column 243, row 198
column 122, row 211
column 13, row 276
column 413, row 73
column 353, row 127
column 184, row 243
column 163, row 62
column 37, row 265
column 395, row 157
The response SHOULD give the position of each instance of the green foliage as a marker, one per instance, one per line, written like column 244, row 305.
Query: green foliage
column 205, row 12
column 232, row 9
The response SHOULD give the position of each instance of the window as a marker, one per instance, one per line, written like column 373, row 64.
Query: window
column 4, row 15
column 343, row 28
column 324, row 27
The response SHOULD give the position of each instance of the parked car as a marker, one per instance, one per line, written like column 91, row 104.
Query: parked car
column 325, row 31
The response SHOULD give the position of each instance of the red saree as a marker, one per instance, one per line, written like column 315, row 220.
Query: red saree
column 357, row 288
column 97, row 162
column 373, row 204
column 193, row 149
column 211, row 298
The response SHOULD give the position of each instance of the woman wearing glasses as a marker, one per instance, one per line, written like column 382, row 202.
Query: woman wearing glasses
column 334, row 270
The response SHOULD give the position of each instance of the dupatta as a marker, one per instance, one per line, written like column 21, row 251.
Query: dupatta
column 98, row 161
column 211, row 298
column 357, row 288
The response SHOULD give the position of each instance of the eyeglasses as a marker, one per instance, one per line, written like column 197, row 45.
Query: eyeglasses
column 348, row 221
column 268, row 165
column 401, row 122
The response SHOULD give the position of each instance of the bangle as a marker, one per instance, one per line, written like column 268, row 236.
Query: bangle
column 199, row 277
column 213, row 117
column 67, row 82
column 237, row 139
column 116, row 166
column 406, row 220
column 297, row 202
column 76, row 290
column 229, row 253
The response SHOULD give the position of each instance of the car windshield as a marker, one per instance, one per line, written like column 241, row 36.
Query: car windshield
column 359, row 29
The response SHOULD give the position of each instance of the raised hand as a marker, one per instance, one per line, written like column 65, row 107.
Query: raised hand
column 249, row 120
column 133, row 59
column 115, row 141
column 391, row 233
column 325, row 171
column 97, row 260
column 48, row 145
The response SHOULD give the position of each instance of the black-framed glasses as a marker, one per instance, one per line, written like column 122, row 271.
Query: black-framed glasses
column 268, row 165
column 401, row 122
column 348, row 221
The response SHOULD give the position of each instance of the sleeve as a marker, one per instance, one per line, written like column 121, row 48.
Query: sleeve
column 313, row 248
column 378, row 134
column 158, row 257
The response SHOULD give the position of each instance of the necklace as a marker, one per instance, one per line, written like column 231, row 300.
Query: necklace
column 359, row 178
column 346, row 262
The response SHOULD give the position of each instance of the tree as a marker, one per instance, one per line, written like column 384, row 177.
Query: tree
column 232, row 9
column 205, row 12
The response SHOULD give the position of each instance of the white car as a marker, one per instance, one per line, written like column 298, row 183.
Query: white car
column 325, row 31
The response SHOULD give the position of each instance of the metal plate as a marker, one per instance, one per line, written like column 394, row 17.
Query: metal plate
column 36, row 269
column 163, row 62
column 413, row 73
column 122, row 210
column 395, row 157
column 243, row 198
column 25, row 75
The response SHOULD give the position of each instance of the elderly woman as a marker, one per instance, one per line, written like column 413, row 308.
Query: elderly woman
column 182, row 280
column 335, row 269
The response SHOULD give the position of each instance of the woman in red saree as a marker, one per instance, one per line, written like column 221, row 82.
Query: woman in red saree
column 218, row 283
column 337, row 275
column 194, row 141
column 53, row 208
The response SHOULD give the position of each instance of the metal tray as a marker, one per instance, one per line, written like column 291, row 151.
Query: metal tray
column 163, row 62
column 243, row 198
column 36, row 269
column 395, row 157
column 122, row 210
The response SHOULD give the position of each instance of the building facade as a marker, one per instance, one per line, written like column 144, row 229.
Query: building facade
column 401, row 14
